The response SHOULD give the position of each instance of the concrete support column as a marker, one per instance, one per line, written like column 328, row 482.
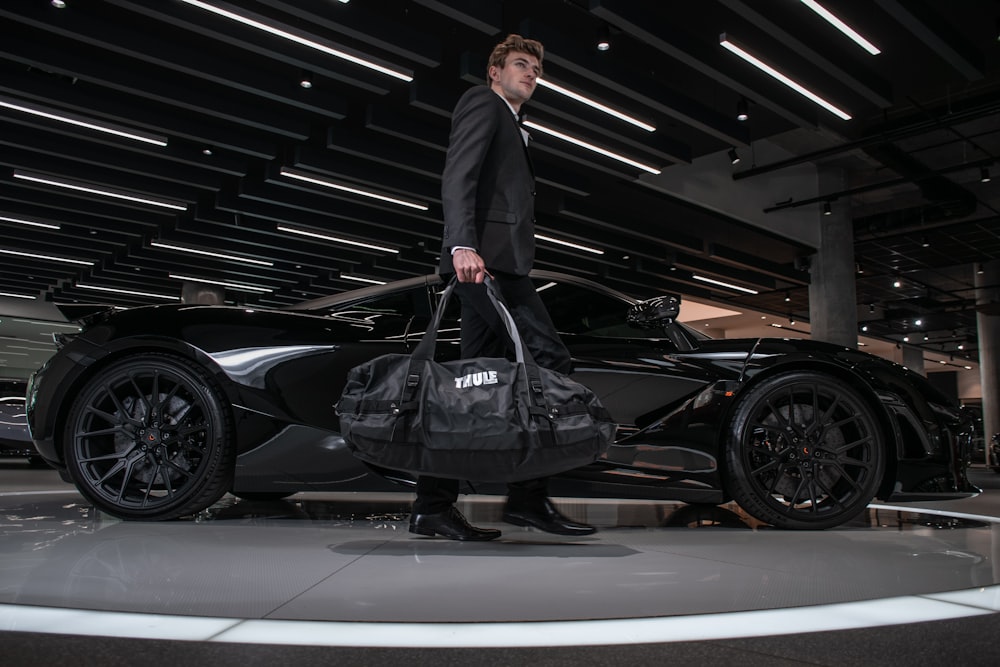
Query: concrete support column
column 833, row 314
column 988, row 326
column 913, row 358
column 202, row 294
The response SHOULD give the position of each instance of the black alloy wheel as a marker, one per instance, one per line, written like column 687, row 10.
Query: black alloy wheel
column 149, row 438
column 805, row 452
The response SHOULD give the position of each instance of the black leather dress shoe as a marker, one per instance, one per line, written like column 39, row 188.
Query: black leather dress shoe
column 544, row 516
column 450, row 524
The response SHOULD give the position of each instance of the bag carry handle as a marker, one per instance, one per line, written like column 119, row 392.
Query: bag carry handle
column 424, row 351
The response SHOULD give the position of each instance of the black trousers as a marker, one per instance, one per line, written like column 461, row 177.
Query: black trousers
column 483, row 334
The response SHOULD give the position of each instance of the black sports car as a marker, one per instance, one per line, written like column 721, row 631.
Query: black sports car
column 156, row 412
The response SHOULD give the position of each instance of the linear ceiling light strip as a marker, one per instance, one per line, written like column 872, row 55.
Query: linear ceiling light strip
column 33, row 223
column 596, row 105
column 236, row 286
column 335, row 239
column 49, row 258
column 17, row 296
column 81, row 121
column 298, row 39
column 794, row 85
column 195, row 251
column 568, row 244
column 359, row 279
column 722, row 284
column 833, row 20
column 298, row 175
column 86, row 187
column 591, row 147
column 127, row 291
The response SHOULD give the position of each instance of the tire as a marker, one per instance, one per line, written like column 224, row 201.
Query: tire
column 804, row 451
column 150, row 438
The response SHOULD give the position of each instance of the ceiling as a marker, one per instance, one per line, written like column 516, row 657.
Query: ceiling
column 240, row 134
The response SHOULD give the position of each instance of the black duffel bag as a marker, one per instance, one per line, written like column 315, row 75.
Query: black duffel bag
column 486, row 419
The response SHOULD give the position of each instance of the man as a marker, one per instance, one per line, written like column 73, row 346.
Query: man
column 488, row 190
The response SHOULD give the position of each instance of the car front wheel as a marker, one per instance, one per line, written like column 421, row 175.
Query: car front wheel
column 149, row 438
column 804, row 451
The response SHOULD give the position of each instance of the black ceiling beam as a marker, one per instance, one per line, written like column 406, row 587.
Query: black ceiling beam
column 925, row 24
column 637, row 19
column 219, row 36
column 376, row 29
column 483, row 15
column 568, row 53
column 980, row 108
column 858, row 79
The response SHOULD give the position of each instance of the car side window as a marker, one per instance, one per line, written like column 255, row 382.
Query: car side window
column 574, row 309
column 390, row 316
column 579, row 310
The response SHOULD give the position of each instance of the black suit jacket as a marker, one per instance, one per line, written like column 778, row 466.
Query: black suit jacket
column 488, row 186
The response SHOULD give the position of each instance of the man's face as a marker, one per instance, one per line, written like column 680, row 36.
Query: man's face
column 517, row 79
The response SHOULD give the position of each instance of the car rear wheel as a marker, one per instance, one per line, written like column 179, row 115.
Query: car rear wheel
column 805, row 451
column 149, row 438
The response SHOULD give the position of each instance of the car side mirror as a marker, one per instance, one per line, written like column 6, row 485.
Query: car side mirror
column 656, row 312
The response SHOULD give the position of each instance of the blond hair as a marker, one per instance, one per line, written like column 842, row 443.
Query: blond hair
column 514, row 43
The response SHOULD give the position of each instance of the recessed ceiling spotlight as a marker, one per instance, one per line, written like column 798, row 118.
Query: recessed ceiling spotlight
column 58, row 4
column 603, row 38
column 306, row 80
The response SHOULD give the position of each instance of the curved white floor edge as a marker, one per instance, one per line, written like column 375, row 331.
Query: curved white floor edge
column 844, row 616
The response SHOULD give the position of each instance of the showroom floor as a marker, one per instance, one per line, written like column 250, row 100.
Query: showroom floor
column 336, row 578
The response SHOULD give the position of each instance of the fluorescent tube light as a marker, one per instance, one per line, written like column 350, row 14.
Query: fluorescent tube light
column 830, row 18
column 794, row 85
column 128, row 291
column 195, row 251
column 722, row 284
column 362, row 280
column 236, row 286
column 571, row 245
column 596, row 105
column 17, row 296
column 298, row 175
column 50, row 258
column 81, row 121
column 21, row 221
column 335, row 239
column 85, row 187
column 298, row 39
column 591, row 147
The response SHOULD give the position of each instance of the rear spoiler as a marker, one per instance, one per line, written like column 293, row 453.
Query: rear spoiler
column 85, row 313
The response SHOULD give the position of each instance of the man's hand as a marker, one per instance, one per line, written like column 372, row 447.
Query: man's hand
column 469, row 266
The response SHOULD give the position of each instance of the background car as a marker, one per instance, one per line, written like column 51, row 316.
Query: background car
column 15, row 440
column 156, row 412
